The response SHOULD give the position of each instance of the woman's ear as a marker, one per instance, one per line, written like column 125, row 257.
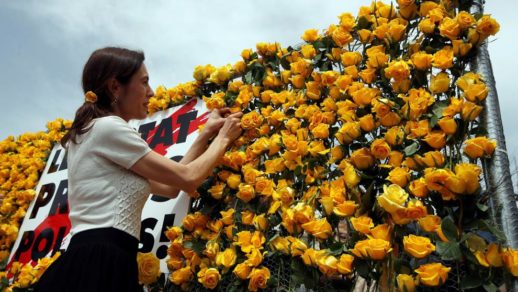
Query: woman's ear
column 115, row 88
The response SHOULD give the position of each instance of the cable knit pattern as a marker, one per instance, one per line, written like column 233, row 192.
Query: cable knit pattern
column 133, row 193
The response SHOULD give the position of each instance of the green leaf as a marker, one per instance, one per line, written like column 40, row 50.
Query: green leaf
column 362, row 268
column 449, row 250
column 482, row 207
column 486, row 225
column 490, row 287
column 248, row 77
column 449, row 229
column 411, row 149
column 470, row 282
column 438, row 108
column 363, row 23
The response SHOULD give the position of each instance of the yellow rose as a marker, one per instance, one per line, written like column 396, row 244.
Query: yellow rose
column 251, row 120
column 461, row 48
column 368, row 75
column 209, row 278
column 398, row 70
column 399, row 176
column 418, row 188
column 345, row 264
column 173, row 233
column 465, row 19
column 233, row 181
column 395, row 158
column 364, row 96
column 440, row 83
column 433, row 274
column 431, row 159
column 362, row 158
column 346, row 208
column 242, row 271
column 321, row 131
column 443, row 59
column 476, row 92
column 148, row 268
column 445, row 182
column 227, row 216
column 393, row 198
column 246, row 54
column 246, row 192
column 258, row 278
column 297, row 246
column 188, row 223
column 365, row 35
column 226, row 258
column 180, row 276
column 308, row 51
column 469, row 174
column 418, row 246
column 280, row 244
column 362, row 224
column 214, row 102
column 405, row 283
column 260, row 222
column 350, row 58
column 327, row 264
column 487, row 25
column 211, row 249
column 449, row 28
column 408, row 11
column 470, row 111
column 254, row 257
column 367, row 123
column 493, row 255
column 319, row 228
column 310, row 35
column 426, row 26
column 380, row 148
column 436, row 139
column 264, row 186
column 381, row 231
column 422, row 60
column 448, row 125
column 510, row 258
column 430, row 223
column 216, row 191
column 348, row 132
column 479, row 147
column 341, row 37
column 395, row 136
column 375, row 249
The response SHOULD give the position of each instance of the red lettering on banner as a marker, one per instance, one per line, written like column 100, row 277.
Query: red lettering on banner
column 175, row 126
column 45, row 238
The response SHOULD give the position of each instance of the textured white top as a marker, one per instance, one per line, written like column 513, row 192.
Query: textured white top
column 102, row 191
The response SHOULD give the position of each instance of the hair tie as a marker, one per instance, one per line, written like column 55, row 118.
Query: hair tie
column 90, row 96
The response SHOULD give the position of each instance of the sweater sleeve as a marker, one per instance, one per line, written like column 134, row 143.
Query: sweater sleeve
column 115, row 140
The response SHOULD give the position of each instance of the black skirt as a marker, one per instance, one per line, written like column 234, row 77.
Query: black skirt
column 102, row 259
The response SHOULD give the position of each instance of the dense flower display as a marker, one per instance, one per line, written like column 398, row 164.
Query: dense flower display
column 360, row 157
column 22, row 160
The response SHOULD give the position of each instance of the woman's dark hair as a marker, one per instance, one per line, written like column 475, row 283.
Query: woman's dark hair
column 103, row 65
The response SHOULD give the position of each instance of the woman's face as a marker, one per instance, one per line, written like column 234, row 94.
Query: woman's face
column 134, row 96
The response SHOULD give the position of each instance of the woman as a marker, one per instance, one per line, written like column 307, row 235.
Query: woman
column 111, row 172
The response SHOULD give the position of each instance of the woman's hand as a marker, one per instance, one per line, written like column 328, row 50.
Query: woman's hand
column 231, row 129
column 215, row 121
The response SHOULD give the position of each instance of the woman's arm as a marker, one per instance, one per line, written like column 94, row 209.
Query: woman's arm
column 187, row 177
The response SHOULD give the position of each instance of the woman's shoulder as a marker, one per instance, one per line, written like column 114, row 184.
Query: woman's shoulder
column 109, row 123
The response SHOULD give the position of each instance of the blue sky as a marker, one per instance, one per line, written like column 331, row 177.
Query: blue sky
column 45, row 44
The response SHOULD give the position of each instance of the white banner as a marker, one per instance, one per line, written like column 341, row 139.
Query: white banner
column 46, row 225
